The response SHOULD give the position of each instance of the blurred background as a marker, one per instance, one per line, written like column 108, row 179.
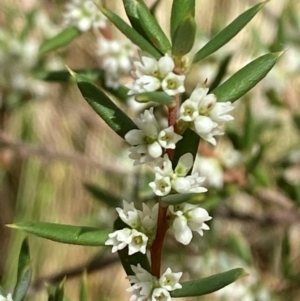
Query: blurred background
column 59, row 160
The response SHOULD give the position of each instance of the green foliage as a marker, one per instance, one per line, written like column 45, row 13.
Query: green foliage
column 103, row 196
column 57, row 293
column 131, row 33
column 83, row 288
column 181, row 9
column 227, row 33
column 151, row 27
column 209, row 284
column 184, row 37
column 246, row 78
column 173, row 199
column 62, row 39
column 115, row 118
column 158, row 97
column 75, row 235
column 188, row 144
column 24, row 273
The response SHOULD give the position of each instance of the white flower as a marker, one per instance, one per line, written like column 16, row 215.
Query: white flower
column 186, row 218
column 135, row 240
column 166, row 179
column 142, row 220
column 149, row 140
column 8, row 298
column 161, row 294
column 161, row 185
column 84, row 14
column 205, row 114
column 129, row 215
column 173, row 84
column 115, row 59
column 211, row 169
column 149, row 288
column 142, row 284
column 169, row 280
column 151, row 75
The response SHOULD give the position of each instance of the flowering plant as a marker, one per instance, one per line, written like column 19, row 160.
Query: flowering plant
column 168, row 147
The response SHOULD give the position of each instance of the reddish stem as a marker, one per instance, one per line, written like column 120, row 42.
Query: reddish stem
column 162, row 225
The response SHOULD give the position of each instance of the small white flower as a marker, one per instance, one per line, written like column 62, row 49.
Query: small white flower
column 173, row 84
column 161, row 185
column 204, row 114
column 135, row 240
column 129, row 215
column 84, row 15
column 149, row 140
column 167, row 138
column 211, row 169
column 169, row 280
column 161, row 294
column 115, row 59
column 186, row 218
column 166, row 179
column 8, row 298
column 146, row 287
column 151, row 75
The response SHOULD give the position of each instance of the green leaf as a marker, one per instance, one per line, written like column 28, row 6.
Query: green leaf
column 56, row 293
column 24, row 273
column 132, row 14
column 221, row 72
column 184, row 37
column 65, row 76
column 154, row 6
column 158, row 97
column 90, row 74
column 152, row 28
column 115, row 118
column 1, row 291
column 208, row 285
column 76, row 235
column 103, row 195
column 246, row 78
column 83, row 288
column 228, row 33
column 181, row 9
column 128, row 260
column 131, row 33
column 173, row 199
column 250, row 129
column 188, row 144
column 62, row 39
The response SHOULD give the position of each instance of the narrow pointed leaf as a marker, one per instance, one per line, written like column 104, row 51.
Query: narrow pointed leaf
column 76, row 235
column 135, row 259
column 181, row 9
column 89, row 74
column 24, row 273
column 103, row 195
column 159, row 97
column 115, row 118
column 184, row 37
column 228, row 33
column 131, row 33
column 62, row 39
column 152, row 28
column 132, row 14
column 173, row 199
column 83, row 288
column 208, row 285
column 154, row 6
column 59, row 292
column 246, row 78
column 188, row 144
